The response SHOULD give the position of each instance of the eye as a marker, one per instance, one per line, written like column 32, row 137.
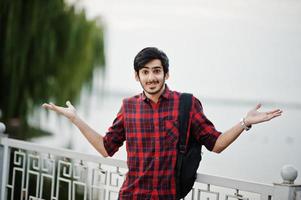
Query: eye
column 144, row 72
column 157, row 71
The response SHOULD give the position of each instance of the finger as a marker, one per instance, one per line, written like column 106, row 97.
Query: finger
column 56, row 108
column 273, row 115
column 53, row 107
column 46, row 105
column 68, row 103
column 279, row 112
column 257, row 106
column 274, row 111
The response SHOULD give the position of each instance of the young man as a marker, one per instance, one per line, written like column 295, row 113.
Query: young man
column 148, row 124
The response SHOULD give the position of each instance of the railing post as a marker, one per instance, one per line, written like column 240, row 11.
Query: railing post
column 287, row 190
column 3, row 161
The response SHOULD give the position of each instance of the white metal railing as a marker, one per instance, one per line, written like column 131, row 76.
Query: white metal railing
column 31, row 171
column 79, row 174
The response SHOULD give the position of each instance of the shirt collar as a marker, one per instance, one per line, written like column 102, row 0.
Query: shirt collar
column 165, row 94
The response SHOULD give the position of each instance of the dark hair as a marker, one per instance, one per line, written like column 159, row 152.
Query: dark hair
column 148, row 54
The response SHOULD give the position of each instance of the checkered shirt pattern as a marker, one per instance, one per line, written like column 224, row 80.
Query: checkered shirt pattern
column 151, row 134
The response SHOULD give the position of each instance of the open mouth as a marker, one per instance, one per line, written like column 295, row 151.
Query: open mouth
column 152, row 86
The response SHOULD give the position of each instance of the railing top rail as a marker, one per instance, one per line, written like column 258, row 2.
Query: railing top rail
column 61, row 152
column 235, row 184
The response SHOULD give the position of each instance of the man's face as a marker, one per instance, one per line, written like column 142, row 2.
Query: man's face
column 151, row 77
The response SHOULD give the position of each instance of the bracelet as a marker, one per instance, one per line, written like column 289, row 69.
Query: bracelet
column 244, row 126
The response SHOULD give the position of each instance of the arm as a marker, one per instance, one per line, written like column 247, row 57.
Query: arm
column 252, row 117
column 95, row 139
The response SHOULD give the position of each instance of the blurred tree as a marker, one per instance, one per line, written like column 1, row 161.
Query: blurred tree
column 48, row 52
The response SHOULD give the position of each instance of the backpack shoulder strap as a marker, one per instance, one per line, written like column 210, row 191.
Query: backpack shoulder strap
column 183, row 118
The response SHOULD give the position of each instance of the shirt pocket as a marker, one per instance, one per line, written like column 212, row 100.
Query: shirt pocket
column 171, row 134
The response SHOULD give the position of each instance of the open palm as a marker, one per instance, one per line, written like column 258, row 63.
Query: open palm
column 69, row 111
column 255, row 117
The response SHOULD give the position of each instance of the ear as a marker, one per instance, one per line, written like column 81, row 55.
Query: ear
column 166, row 75
column 136, row 76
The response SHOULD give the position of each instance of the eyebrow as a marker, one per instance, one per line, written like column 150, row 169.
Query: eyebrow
column 155, row 67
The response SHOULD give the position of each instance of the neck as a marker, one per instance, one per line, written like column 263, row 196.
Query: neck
column 155, row 97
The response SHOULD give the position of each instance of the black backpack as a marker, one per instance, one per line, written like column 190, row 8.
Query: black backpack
column 188, row 157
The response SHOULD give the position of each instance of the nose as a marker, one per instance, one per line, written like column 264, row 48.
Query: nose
column 151, row 77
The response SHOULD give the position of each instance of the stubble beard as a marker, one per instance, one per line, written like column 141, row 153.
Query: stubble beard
column 154, row 92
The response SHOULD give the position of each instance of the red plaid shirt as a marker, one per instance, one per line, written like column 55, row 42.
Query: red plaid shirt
column 151, row 134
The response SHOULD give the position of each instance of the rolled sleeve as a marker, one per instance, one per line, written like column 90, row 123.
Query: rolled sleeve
column 201, row 127
column 115, row 135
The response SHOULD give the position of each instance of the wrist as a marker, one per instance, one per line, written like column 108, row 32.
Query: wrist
column 245, row 124
column 74, row 119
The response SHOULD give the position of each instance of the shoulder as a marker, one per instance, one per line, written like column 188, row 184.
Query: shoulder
column 195, row 100
column 132, row 99
column 196, row 103
column 175, row 94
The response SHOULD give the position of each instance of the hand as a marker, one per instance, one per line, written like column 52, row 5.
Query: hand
column 69, row 111
column 255, row 117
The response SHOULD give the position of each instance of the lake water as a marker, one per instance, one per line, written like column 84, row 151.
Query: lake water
column 230, row 55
